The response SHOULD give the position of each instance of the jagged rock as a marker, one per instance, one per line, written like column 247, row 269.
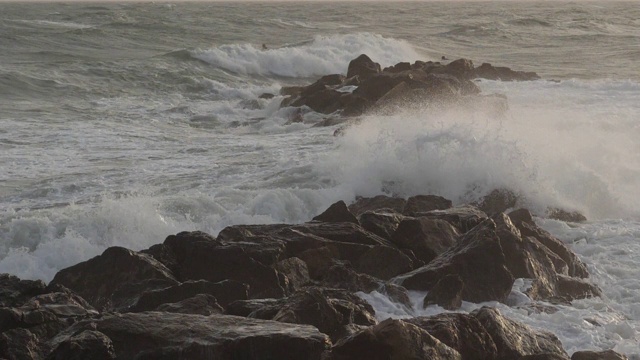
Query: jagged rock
column 477, row 249
column 383, row 224
column 264, row 309
column 490, row 72
column 399, row 67
column 384, row 262
column 522, row 219
column 447, row 292
column 570, row 288
column 19, row 344
column 325, row 101
column 201, row 304
column 338, row 212
column 225, row 292
column 116, row 278
column 545, row 356
column 461, row 332
column 393, row 339
column 462, row 69
column 462, row 217
column 379, row 202
column 498, row 201
column 598, row 355
column 295, row 270
column 267, row 96
column 426, row 237
column 564, row 215
column 423, row 203
column 88, row 344
column 363, row 67
column 139, row 336
column 514, row 339
column 14, row 292
column 341, row 277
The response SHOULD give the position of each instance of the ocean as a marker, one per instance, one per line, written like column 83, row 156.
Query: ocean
column 123, row 123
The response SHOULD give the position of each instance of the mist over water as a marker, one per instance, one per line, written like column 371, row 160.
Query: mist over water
column 121, row 124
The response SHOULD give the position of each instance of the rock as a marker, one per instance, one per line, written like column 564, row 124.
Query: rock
column 598, row 355
column 14, row 292
column 462, row 69
column 477, row 249
column 569, row 288
column 18, row 344
column 338, row 212
column 328, row 310
column 393, row 339
column 384, row 262
column 379, row 202
column 267, row 96
column 137, row 335
column 461, row 332
column 426, row 237
column 340, row 276
column 424, row 203
column 363, row 67
column 522, row 219
column 225, row 292
column 344, row 232
column 325, row 101
column 564, row 215
column 545, row 356
column 354, row 105
column 116, row 278
column 201, row 304
column 295, row 270
column 447, row 293
column 383, row 224
column 399, row 67
column 488, row 71
column 264, row 309
column 88, row 344
column 498, row 201
column 462, row 217
column 514, row 340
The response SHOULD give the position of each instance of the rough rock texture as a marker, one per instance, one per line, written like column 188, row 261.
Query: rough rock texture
column 462, row 332
column 477, row 249
column 201, row 304
column 18, row 344
column 423, row 203
column 379, row 202
column 381, row 223
column 464, row 217
column 14, row 292
column 598, row 355
column 447, row 292
column 363, row 67
column 514, row 339
column 137, row 335
column 427, row 238
column 116, row 278
column 498, row 201
column 88, row 344
column 395, row 340
column 564, row 215
column 338, row 212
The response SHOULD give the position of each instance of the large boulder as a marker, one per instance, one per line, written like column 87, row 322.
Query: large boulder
column 598, row 355
column 490, row 72
column 379, row 202
column 88, row 344
column 337, row 212
column 139, row 336
column 462, row 217
column 462, row 332
column 380, row 222
column 423, row 203
column 393, row 339
column 363, row 67
column 14, row 291
column 477, row 258
column 116, row 278
column 201, row 304
column 426, row 237
column 514, row 339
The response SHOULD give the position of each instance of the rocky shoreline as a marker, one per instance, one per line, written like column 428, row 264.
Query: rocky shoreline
column 290, row 291
column 287, row 291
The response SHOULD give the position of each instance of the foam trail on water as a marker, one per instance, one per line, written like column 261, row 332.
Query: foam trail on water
column 324, row 55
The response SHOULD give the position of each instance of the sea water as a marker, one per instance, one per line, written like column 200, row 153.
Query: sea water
column 121, row 124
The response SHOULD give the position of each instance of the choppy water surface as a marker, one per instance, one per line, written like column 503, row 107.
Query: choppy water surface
column 123, row 123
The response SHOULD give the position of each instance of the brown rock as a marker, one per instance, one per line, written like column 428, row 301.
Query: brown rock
column 447, row 292
column 423, row 203
column 363, row 67
column 462, row 217
column 379, row 202
column 384, row 262
column 14, row 292
column 201, row 304
column 598, row 355
column 88, row 344
column 295, row 270
column 498, row 201
column 427, row 238
column 18, row 344
column 337, row 212
column 383, row 224
column 564, row 215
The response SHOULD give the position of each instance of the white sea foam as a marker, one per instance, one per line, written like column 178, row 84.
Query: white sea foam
column 324, row 55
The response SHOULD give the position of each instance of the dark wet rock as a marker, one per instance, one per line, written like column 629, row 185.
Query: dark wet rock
column 264, row 309
column 14, row 291
column 379, row 202
column 426, row 237
column 137, row 335
column 267, row 96
column 296, row 270
column 344, row 232
column 337, row 212
column 330, row 121
column 325, row 101
column 447, row 293
column 19, row 344
column 88, row 344
column 490, row 72
column 342, row 277
column 354, row 105
column 498, row 201
column 116, row 278
column 462, row 332
column 399, row 67
column 514, row 339
column 397, row 294
column 564, row 215
column 570, row 288
column 393, row 339
column 225, row 292
column 423, row 203
column 363, row 67
column 201, row 304
column 318, row 261
column 381, row 223
column 545, row 356
column 384, row 262
column 522, row 219
column 598, row 355
column 462, row 217
column 477, row 249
